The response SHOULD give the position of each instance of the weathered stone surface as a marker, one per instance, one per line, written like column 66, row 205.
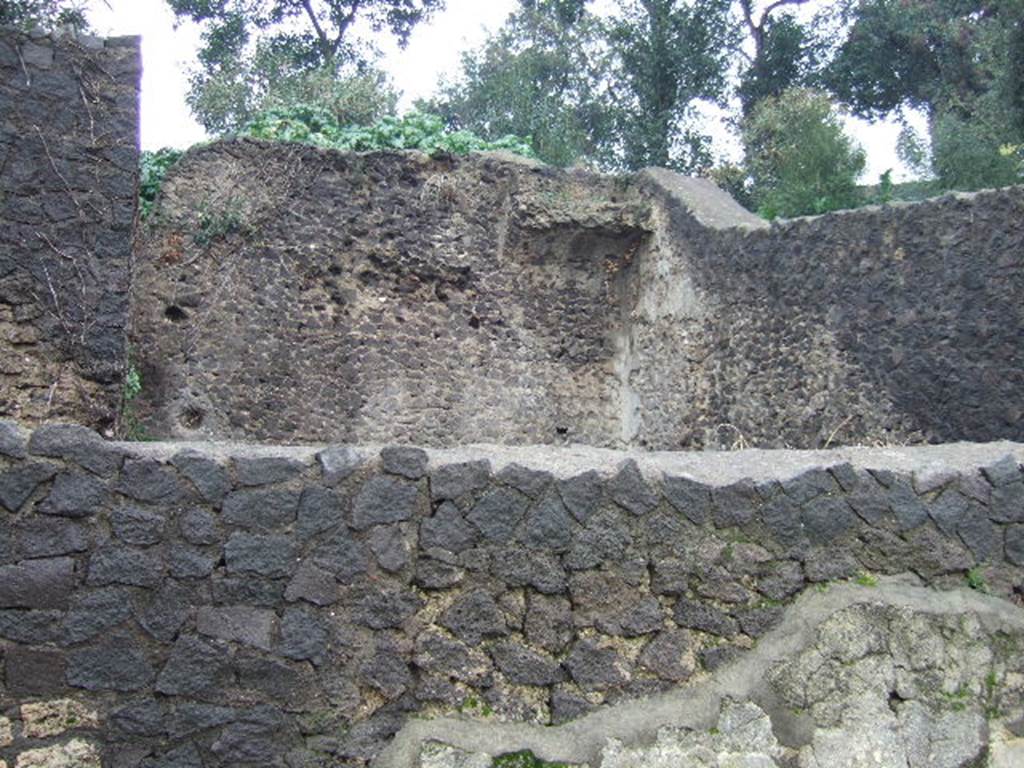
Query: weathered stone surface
column 826, row 519
column 386, row 672
column 34, row 672
column 704, row 617
column 670, row 655
column 613, row 604
column 116, row 564
column 18, row 484
column 384, row 500
column 76, row 753
column 605, row 538
column 266, row 555
column 454, row 481
column 37, row 583
column 208, row 476
column 1015, row 544
column 742, row 738
column 385, row 608
column 447, row 529
column 548, row 525
column 260, row 509
column 532, row 482
column 389, row 547
column 338, row 463
column 438, row 569
column 314, row 585
column 75, row 494
column 735, row 504
column 199, row 526
column 688, row 497
column 1002, row 472
column 582, row 494
column 152, row 482
column 141, row 527
column 437, row 653
column 12, row 440
column 303, row 636
column 185, row 562
column 266, row 470
column 193, row 666
column 41, row 719
column 595, row 668
column 94, row 612
column 117, row 663
column 163, row 612
column 30, row 627
column 498, row 513
column 524, row 666
column 6, row 732
column 628, row 489
column 549, row 623
column 474, row 617
column 1006, row 505
column 78, row 444
column 342, row 555
column 405, row 461
column 519, row 568
column 320, row 510
column 239, row 623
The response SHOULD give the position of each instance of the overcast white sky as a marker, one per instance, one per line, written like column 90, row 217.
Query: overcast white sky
column 433, row 51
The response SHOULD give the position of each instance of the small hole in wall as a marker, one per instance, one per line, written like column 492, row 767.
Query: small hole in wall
column 562, row 431
column 191, row 417
column 175, row 314
column 474, row 322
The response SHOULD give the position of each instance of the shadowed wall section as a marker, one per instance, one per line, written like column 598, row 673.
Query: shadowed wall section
column 68, row 171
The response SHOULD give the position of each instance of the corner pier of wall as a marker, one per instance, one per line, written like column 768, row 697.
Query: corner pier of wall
column 223, row 604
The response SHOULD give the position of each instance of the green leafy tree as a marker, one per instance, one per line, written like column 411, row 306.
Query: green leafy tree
column 799, row 158
column 669, row 56
column 541, row 75
column 47, row 14
column 257, row 54
column 960, row 61
column 783, row 51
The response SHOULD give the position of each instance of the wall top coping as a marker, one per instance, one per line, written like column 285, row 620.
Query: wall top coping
column 715, row 468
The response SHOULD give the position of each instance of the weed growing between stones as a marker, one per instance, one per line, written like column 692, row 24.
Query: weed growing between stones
column 130, row 427
column 218, row 223
column 524, row 759
column 866, row 579
column 976, row 580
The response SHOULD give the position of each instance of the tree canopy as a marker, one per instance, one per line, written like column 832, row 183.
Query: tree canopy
column 47, row 14
column 257, row 54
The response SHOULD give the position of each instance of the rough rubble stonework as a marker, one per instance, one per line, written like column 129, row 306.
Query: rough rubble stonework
column 287, row 293
column 222, row 605
column 69, row 163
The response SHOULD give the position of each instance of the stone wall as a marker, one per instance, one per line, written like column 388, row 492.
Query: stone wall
column 891, row 324
column 289, row 293
column 182, row 605
column 68, row 169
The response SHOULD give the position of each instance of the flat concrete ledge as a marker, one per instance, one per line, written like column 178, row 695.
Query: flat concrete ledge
column 716, row 468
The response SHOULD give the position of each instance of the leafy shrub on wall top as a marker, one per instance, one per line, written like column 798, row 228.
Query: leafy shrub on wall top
column 415, row 130
column 800, row 159
column 153, row 167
